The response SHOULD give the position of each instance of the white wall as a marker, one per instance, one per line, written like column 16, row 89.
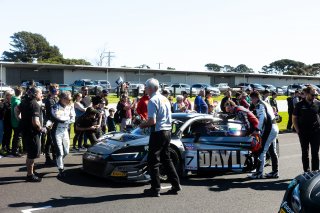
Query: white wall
column 3, row 77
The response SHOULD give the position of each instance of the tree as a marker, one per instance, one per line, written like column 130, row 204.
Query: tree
column 228, row 68
column 242, row 68
column 27, row 47
column 285, row 66
column 171, row 68
column 143, row 66
column 213, row 67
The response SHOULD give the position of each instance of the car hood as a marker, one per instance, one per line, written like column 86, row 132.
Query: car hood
column 110, row 143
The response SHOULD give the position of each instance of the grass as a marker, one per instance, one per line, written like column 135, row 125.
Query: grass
column 113, row 99
column 283, row 125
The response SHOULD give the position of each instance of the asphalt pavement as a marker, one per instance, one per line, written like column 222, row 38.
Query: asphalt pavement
column 79, row 192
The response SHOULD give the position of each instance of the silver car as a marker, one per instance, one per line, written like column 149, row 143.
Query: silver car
column 200, row 142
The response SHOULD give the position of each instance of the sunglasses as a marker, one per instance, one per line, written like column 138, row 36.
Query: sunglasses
column 314, row 95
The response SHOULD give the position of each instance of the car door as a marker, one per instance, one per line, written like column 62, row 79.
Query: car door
column 214, row 145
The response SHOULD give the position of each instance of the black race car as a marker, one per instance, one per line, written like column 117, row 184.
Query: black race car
column 199, row 142
column 303, row 194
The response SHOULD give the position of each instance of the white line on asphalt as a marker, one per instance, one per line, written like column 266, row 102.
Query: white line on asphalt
column 35, row 209
column 165, row 187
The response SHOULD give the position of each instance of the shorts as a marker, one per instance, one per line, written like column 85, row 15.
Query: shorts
column 33, row 145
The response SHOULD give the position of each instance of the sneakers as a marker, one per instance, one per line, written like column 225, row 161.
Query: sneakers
column 274, row 174
column 174, row 190
column 256, row 175
column 151, row 192
column 61, row 174
column 33, row 178
column 82, row 149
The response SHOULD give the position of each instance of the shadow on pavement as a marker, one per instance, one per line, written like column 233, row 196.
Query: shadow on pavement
column 77, row 177
column 71, row 201
column 219, row 184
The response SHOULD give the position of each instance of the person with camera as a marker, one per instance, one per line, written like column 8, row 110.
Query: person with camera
column 62, row 115
column 88, row 124
column 32, row 128
column 159, row 121
column 306, row 121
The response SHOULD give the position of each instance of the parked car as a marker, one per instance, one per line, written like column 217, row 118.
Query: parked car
column 195, row 146
column 272, row 88
column 104, row 83
column 133, row 87
column 38, row 85
column 178, row 88
column 88, row 83
column 207, row 87
column 244, row 86
column 222, row 87
column 257, row 87
column 65, row 87
column 293, row 87
column 4, row 88
column 314, row 86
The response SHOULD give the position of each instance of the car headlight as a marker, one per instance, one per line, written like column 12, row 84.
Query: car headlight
column 128, row 156
column 295, row 199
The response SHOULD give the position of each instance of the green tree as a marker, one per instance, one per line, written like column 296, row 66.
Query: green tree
column 213, row 67
column 171, row 68
column 228, row 68
column 285, row 66
column 27, row 46
column 242, row 68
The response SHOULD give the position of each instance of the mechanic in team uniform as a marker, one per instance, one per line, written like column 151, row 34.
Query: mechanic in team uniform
column 159, row 119
column 306, row 121
column 63, row 115
column 32, row 128
column 269, row 132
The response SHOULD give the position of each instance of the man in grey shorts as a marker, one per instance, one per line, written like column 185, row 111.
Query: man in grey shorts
column 159, row 120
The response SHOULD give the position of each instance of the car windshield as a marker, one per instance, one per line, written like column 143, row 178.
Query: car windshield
column 88, row 83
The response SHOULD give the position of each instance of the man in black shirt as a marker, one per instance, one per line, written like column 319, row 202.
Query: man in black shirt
column 306, row 121
column 31, row 123
column 49, row 102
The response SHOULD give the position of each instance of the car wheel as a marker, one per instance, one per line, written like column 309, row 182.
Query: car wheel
column 176, row 163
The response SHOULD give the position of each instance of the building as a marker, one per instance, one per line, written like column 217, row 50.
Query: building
column 15, row 73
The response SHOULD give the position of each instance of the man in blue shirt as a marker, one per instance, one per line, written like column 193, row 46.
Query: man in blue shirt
column 159, row 119
column 199, row 104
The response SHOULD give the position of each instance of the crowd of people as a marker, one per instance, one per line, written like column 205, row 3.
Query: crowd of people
column 42, row 124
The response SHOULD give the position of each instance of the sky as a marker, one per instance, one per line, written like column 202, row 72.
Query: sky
column 183, row 34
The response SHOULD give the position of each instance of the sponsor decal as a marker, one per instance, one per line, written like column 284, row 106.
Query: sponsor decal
column 191, row 160
column 189, row 146
column 285, row 208
column 220, row 159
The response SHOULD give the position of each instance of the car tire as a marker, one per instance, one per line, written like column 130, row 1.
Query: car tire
column 176, row 160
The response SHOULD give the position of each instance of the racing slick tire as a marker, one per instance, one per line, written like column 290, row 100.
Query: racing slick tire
column 176, row 160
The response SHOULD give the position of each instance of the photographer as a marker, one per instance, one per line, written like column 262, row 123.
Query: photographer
column 88, row 124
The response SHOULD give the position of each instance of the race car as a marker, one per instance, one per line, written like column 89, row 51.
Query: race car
column 200, row 142
column 302, row 194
